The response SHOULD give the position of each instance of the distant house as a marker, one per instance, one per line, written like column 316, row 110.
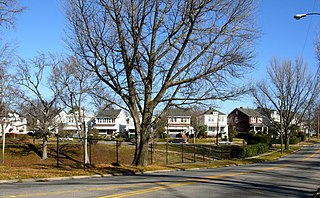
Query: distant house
column 178, row 122
column 71, row 121
column 14, row 124
column 215, row 123
column 130, row 128
column 245, row 120
column 110, row 122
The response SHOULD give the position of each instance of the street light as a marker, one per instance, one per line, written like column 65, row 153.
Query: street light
column 299, row 16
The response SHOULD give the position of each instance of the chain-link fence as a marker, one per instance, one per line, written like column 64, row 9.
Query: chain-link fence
column 69, row 152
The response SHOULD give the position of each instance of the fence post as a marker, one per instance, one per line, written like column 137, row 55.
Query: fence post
column 57, row 151
column 84, row 154
column 151, row 146
column 182, row 153
column 167, row 152
column 90, row 144
column 210, row 152
column 117, row 151
column 194, row 153
column 203, row 153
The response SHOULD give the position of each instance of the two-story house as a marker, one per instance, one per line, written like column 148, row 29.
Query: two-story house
column 178, row 122
column 71, row 122
column 215, row 123
column 13, row 123
column 245, row 120
column 110, row 122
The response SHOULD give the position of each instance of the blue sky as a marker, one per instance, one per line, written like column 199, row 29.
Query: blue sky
column 41, row 29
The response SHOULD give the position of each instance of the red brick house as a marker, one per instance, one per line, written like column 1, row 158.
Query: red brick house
column 245, row 120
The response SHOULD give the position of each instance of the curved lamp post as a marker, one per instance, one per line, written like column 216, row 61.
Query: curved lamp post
column 299, row 16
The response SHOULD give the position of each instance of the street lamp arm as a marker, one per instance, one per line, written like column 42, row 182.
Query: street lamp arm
column 299, row 16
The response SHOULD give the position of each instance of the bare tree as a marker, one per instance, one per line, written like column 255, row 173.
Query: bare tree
column 291, row 89
column 154, row 53
column 8, row 11
column 40, row 95
column 8, row 101
column 77, row 87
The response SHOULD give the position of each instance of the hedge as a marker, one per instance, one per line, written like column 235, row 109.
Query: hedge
column 249, row 150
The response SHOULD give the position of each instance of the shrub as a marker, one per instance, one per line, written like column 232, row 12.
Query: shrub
column 249, row 150
column 302, row 136
column 251, row 138
column 294, row 140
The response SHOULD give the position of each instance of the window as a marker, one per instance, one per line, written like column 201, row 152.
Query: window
column 184, row 120
column 106, row 120
column 173, row 119
column 211, row 119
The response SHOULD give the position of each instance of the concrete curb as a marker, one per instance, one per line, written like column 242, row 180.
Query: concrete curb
column 56, row 178
column 117, row 174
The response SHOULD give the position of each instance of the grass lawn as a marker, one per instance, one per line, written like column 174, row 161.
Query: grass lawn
column 22, row 160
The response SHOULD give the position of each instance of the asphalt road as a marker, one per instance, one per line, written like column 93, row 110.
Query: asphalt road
column 297, row 175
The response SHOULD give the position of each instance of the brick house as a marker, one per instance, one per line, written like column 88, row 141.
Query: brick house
column 245, row 120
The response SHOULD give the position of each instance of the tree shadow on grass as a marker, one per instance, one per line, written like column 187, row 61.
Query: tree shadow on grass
column 23, row 149
column 66, row 152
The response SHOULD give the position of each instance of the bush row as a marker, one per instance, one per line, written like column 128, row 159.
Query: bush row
column 251, row 138
column 249, row 150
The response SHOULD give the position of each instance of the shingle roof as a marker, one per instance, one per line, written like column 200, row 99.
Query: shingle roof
column 250, row 112
column 111, row 113
column 211, row 110
column 179, row 112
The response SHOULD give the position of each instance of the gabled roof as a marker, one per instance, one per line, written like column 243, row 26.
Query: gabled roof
column 179, row 112
column 211, row 110
column 250, row 112
column 110, row 113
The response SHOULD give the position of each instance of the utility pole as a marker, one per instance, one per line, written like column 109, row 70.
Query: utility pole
column 281, row 133
column 217, row 136
column 318, row 127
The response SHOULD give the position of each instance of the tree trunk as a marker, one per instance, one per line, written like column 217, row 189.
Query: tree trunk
column 85, row 146
column 141, row 156
column 286, row 142
column 141, row 159
column 45, row 148
column 3, row 141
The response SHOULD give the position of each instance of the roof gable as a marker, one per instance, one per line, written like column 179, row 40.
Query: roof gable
column 249, row 112
column 179, row 112
column 110, row 113
column 211, row 111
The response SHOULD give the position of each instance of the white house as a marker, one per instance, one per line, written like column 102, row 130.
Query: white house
column 110, row 122
column 71, row 121
column 215, row 123
column 179, row 122
column 13, row 123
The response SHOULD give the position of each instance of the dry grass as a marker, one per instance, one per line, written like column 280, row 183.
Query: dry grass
column 22, row 161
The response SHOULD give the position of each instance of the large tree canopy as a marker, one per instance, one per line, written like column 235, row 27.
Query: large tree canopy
column 153, row 53
column 291, row 89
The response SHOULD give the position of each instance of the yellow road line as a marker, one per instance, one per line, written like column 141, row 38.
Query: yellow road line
column 81, row 190
column 153, row 189
column 205, row 179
